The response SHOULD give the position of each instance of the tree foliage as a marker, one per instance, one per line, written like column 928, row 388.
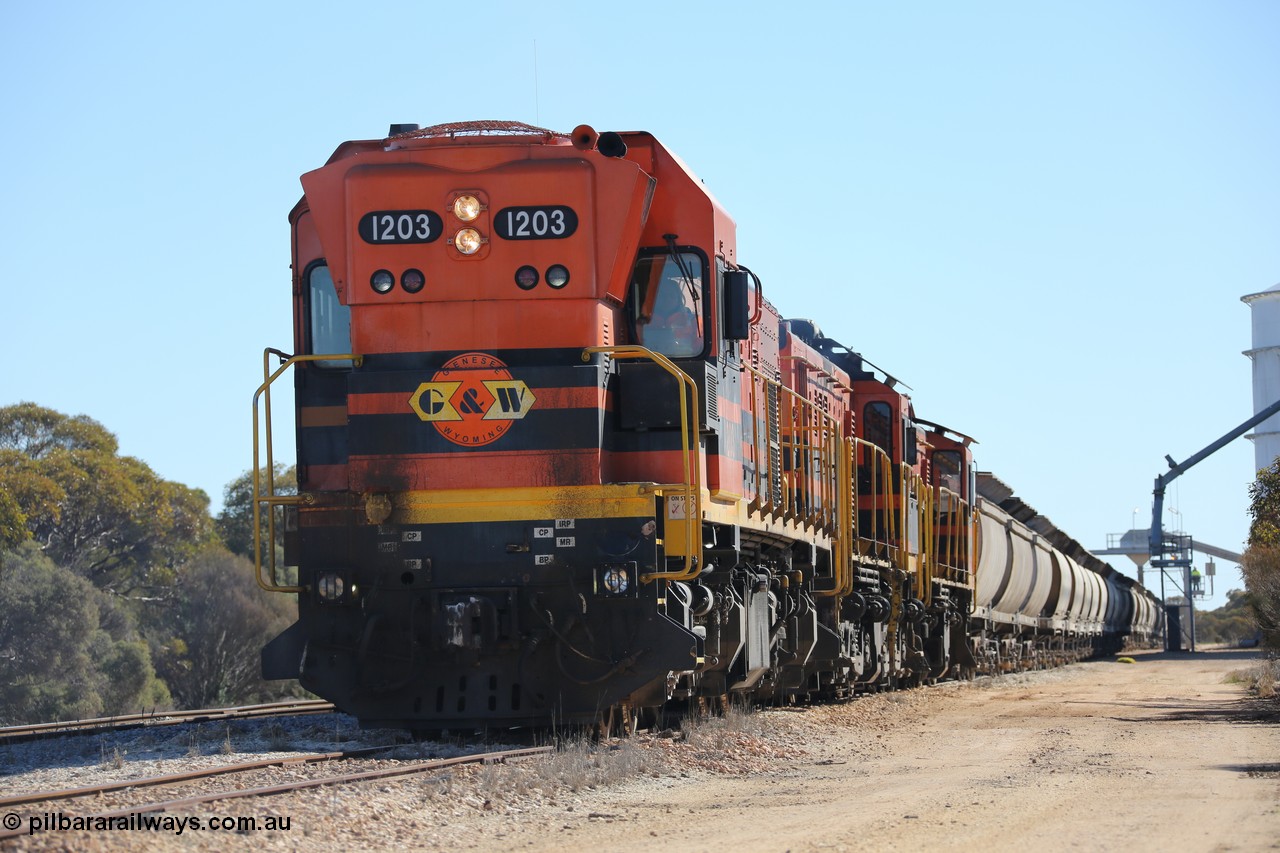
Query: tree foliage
column 35, row 432
column 1233, row 623
column 115, row 593
column 66, row 651
column 13, row 521
column 235, row 522
column 1264, row 507
column 106, row 517
column 1261, row 570
column 215, row 632
column 1261, row 566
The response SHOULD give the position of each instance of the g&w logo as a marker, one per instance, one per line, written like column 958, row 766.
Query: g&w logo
column 472, row 399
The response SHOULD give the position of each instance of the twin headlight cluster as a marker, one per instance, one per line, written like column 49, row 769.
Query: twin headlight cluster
column 467, row 241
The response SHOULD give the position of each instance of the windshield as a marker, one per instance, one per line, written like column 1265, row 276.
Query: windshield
column 666, row 290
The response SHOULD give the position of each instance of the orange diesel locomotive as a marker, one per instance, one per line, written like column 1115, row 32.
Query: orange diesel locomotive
column 560, row 460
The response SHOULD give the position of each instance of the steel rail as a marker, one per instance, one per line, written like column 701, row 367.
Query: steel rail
column 35, row 731
column 187, row 776
column 288, row 787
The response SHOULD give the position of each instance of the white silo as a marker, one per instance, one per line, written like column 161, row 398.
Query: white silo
column 1265, row 307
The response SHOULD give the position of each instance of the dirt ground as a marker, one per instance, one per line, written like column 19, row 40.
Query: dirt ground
column 1160, row 754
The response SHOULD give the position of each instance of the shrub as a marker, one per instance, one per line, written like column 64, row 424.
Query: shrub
column 1261, row 570
column 66, row 651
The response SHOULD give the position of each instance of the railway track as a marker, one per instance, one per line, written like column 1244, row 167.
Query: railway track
column 19, row 826
column 36, row 731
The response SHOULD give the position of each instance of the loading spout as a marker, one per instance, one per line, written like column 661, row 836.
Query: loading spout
column 1176, row 469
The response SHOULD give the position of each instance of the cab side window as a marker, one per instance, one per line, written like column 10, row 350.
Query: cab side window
column 329, row 320
column 947, row 470
column 877, row 420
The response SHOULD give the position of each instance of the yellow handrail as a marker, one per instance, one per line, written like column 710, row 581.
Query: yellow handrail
column 270, row 499
column 955, row 559
column 691, row 488
column 759, row 440
column 893, row 520
column 820, row 491
column 803, row 428
column 928, row 561
column 881, row 472
column 848, row 494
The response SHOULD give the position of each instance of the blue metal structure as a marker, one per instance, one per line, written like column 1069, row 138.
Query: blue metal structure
column 1180, row 544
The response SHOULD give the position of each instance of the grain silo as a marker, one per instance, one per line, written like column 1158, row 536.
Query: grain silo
column 1265, row 354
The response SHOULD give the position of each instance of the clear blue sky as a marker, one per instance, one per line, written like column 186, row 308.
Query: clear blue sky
column 1041, row 216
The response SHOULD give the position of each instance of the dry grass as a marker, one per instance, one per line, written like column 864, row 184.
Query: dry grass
column 584, row 763
column 277, row 738
column 1265, row 682
column 577, row 765
column 738, row 742
column 720, row 731
column 1259, row 679
column 114, row 760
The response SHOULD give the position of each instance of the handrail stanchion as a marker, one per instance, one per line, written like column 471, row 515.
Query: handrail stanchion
column 270, row 499
column 692, row 485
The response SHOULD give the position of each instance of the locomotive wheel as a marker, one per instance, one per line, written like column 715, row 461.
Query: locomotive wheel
column 630, row 720
column 620, row 721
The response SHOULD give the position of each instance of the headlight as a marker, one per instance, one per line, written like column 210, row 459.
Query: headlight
column 466, row 207
column 330, row 586
column 467, row 241
column 382, row 281
column 557, row 276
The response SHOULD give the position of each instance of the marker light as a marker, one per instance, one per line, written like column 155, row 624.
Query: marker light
column 412, row 280
column 467, row 241
column 526, row 278
column 382, row 281
column 466, row 207
column 557, row 276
